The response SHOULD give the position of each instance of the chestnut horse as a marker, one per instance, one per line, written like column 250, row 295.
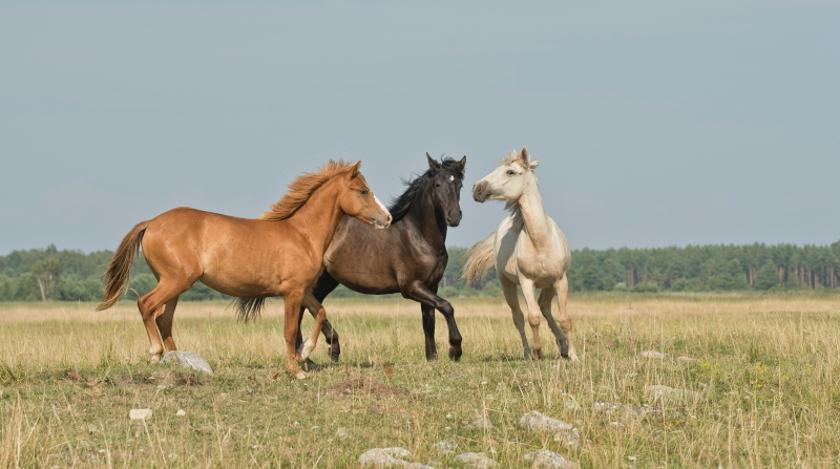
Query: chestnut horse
column 280, row 254
column 409, row 258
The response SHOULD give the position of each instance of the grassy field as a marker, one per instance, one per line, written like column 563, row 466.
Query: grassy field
column 766, row 384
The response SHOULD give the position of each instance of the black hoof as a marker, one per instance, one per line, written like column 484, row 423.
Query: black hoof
column 309, row 365
column 455, row 353
column 335, row 352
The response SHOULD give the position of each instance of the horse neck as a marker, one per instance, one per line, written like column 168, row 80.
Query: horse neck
column 430, row 223
column 319, row 216
column 530, row 209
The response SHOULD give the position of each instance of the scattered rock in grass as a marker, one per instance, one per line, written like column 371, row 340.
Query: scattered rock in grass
column 666, row 394
column 541, row 423
column 685, row 359
column 181, row 413
column 480, row 421
column 629, row 410
column 187, row 360
column 445, row 447
column 139, row 414
column 342, row 433
column 545, row 459
column 476, row 460
column 652, row 354
column 389, row 458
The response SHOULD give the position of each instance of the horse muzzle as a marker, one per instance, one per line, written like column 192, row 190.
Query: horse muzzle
column 453, row 218
column 382, row 224
column 480, row 193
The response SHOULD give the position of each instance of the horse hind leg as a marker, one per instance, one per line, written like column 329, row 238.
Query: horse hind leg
column 164, row 324
column 151, row 306
column 509, row 290
column 545, row 299
column 561, row 288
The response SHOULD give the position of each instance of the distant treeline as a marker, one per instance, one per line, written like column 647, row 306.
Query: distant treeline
column 61, row 275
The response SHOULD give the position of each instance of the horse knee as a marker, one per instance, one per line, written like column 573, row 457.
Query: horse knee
column 534, row 320
column 565, row 324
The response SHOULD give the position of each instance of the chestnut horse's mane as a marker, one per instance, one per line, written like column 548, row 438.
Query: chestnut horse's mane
column 302, row 189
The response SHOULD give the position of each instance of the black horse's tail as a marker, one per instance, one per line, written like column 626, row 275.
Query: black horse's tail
column 248, row 309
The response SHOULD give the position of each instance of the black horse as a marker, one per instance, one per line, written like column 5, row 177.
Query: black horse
column 408, row 258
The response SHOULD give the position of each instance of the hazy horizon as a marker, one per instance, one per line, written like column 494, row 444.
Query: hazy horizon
column 657, row 124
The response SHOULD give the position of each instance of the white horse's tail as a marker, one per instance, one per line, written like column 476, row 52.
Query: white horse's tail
column 480, row 259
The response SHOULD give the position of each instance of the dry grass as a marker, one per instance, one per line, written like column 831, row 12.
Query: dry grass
column 768, row 373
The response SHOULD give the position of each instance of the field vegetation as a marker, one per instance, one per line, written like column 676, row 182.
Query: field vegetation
column 760, row 374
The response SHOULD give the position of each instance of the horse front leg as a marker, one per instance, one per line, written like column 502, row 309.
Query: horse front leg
column 419, row 292
column 428, row 313
column 292, row 302
column 313, row 304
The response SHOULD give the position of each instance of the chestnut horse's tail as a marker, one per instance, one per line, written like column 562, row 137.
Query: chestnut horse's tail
column 480, row 259
column 116, row 277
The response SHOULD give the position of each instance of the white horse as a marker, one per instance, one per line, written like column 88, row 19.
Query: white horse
column 529, row 250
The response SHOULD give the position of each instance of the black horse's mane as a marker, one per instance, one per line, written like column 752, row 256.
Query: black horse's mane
column 401, row 205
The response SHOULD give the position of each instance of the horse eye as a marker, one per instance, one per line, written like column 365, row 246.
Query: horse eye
column 364, row 192
column 511, row 172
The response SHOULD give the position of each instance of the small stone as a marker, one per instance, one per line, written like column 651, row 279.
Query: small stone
column 628, row 410
column 389, row 458
column 540, row 423
column 92, row 429
column 666, row 394
column 480, row 421
column 445, row 447
column 652, row 354
column 181, row 413
column 139, row 414
column 685, row 359
column 476, row 460
column 545, row 459
column 188, row 360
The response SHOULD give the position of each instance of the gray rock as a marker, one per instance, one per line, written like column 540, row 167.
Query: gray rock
column 445, row 447
column 181, row 413
column 545, row 459
column 476, row 460
column 541, row 423
column 652, row 354
column 188, row 360
column 139, row 414
column 628, row 410
column 389, row 458
column 666, row 394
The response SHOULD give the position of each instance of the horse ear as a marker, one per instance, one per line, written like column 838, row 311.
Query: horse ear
column 462, row 162
column 433, row 164
column 526, row 159
column 354, row 171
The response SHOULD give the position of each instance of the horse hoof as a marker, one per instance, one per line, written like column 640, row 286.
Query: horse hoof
column 309, row 365
column 153, row 359
column 335, row 352
column 455, row 353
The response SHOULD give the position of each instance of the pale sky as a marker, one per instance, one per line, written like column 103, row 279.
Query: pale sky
column 657, row 122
